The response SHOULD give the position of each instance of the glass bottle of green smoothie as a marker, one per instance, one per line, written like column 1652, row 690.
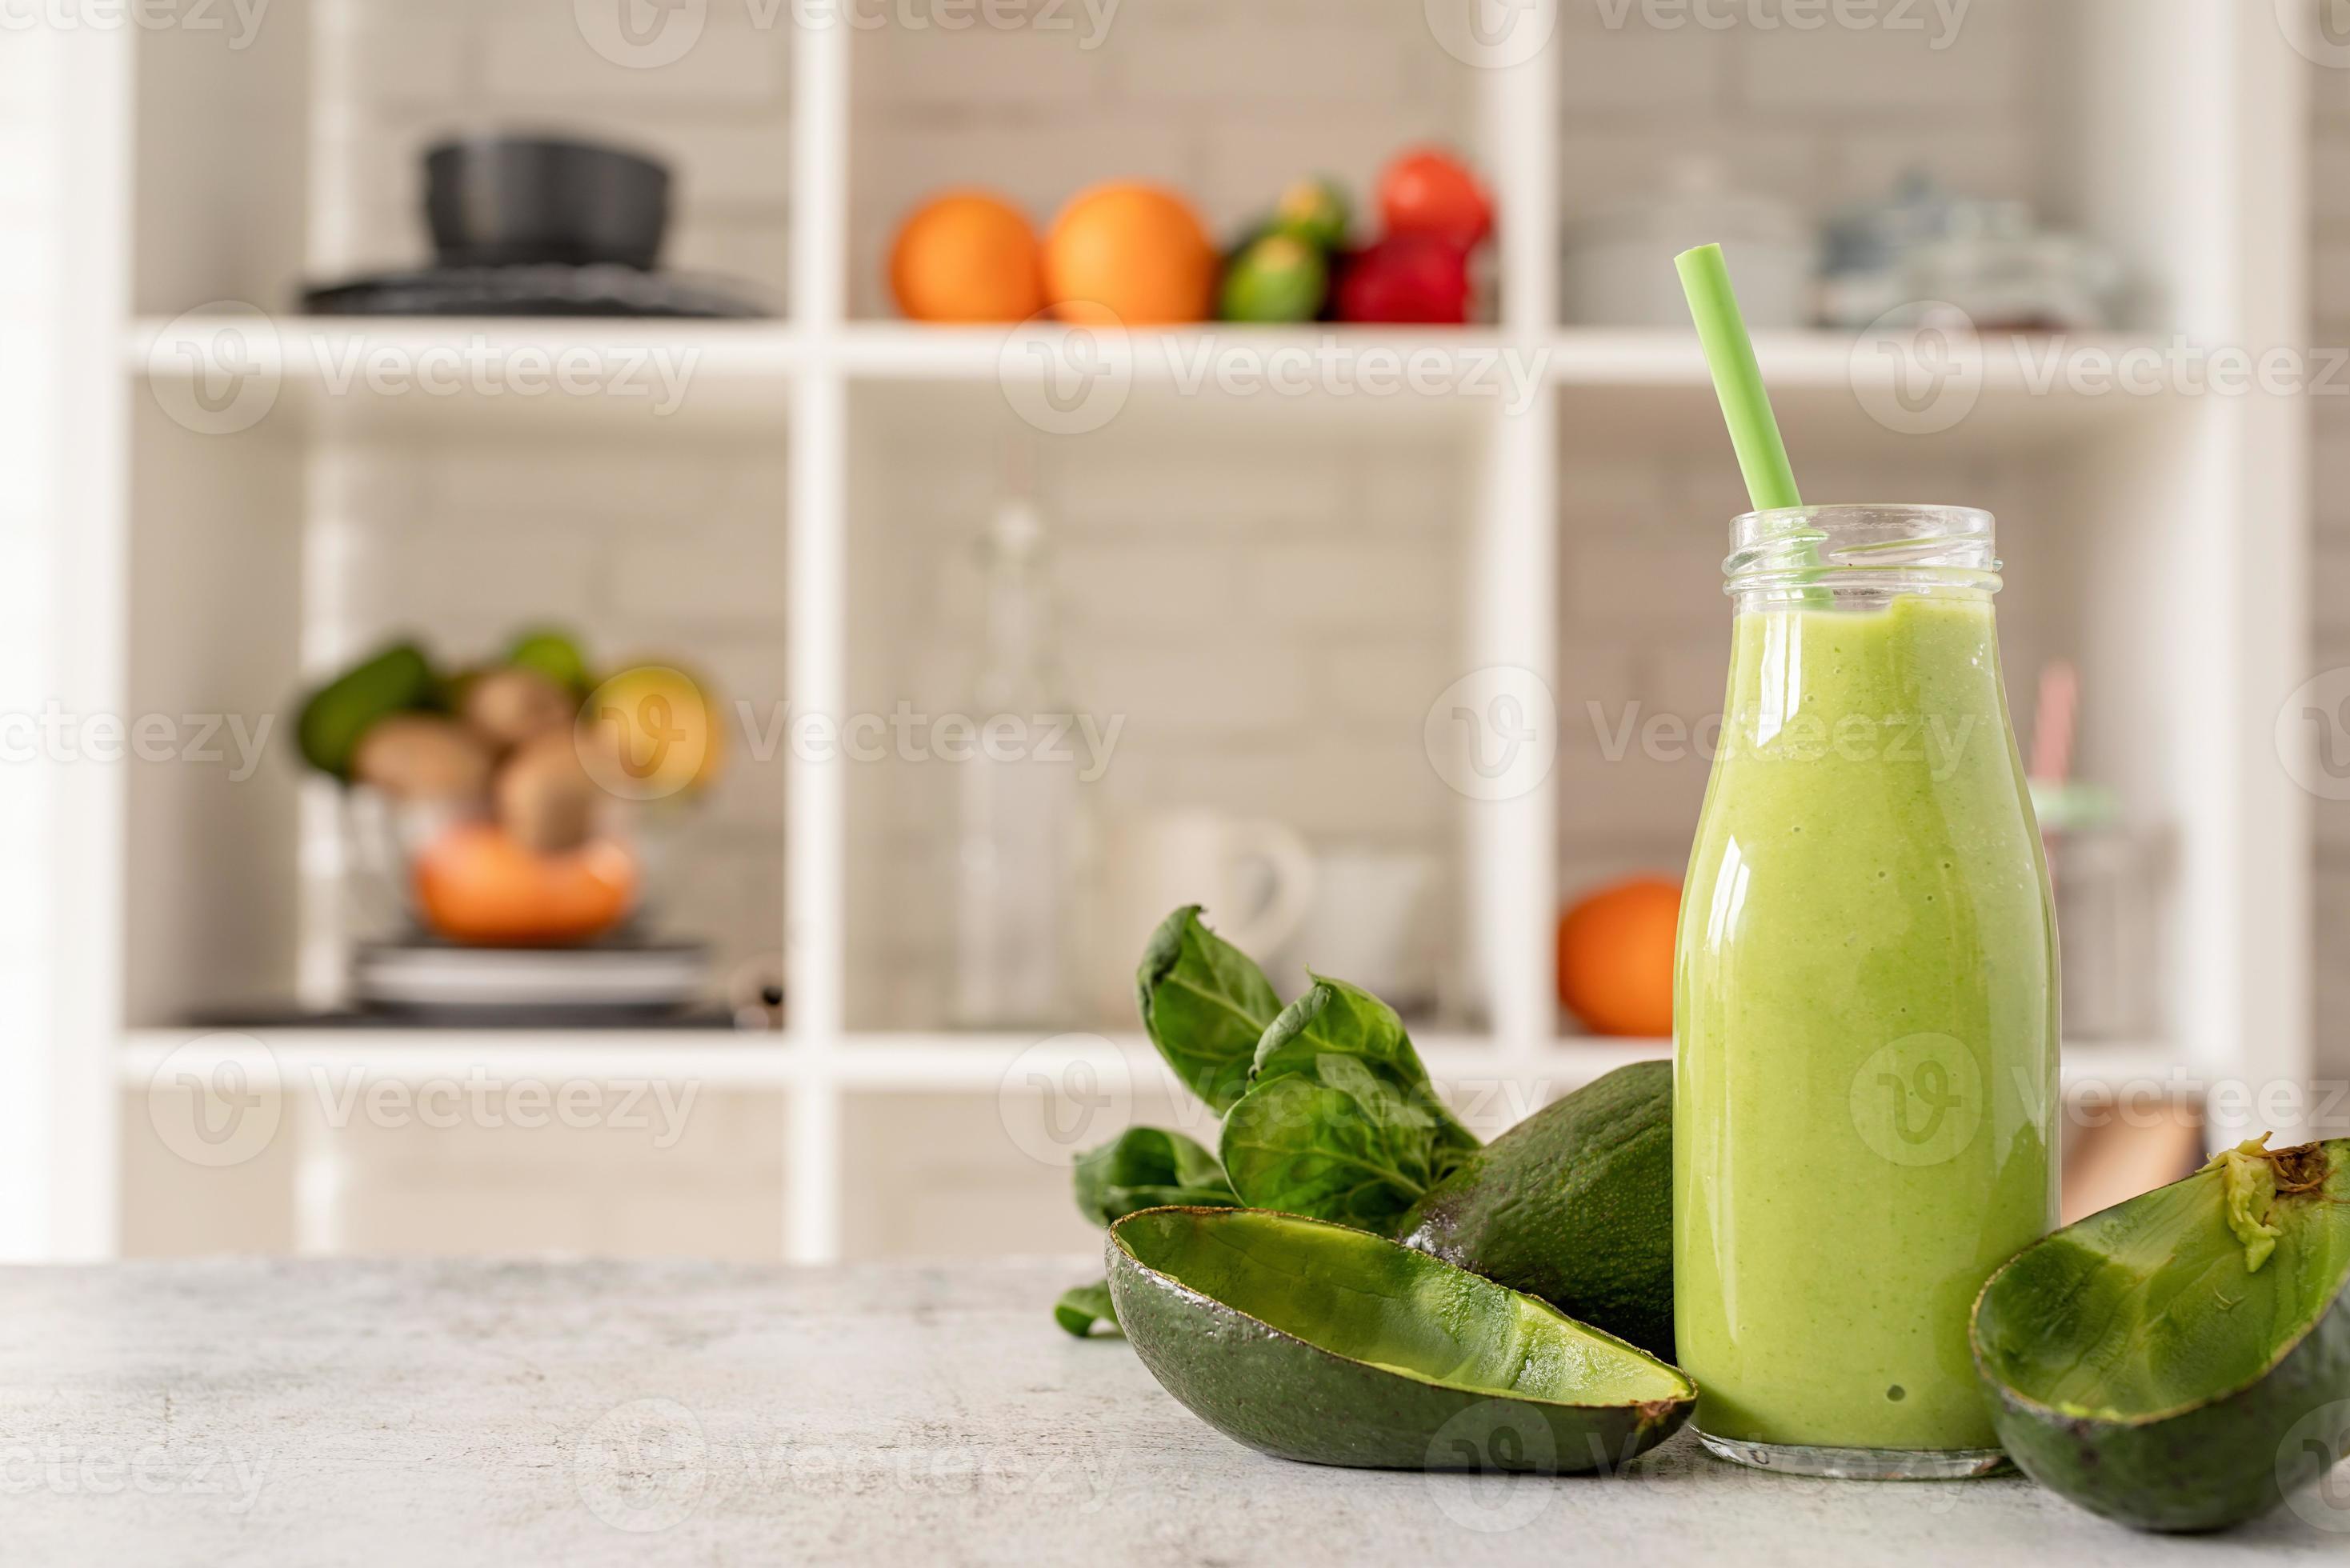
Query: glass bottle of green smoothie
column 1865, row 1005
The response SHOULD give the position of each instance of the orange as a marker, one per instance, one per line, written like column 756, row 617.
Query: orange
column 1129, row 254
column 1615, row 957
column 475, row 883
column 966, row 255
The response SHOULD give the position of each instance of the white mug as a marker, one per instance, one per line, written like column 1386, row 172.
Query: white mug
column 1253, row 882
column 1372, row 922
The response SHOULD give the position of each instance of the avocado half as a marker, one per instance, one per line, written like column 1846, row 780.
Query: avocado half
column 2181, row 1361
column 1315, row 1341
column 1574, row 1204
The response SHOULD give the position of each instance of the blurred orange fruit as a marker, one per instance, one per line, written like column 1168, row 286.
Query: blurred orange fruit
column 476, row 883
column 1615, row 957
column 966, row 255
column 1129, row 254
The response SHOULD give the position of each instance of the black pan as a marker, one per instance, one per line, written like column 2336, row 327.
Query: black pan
column 522, row 201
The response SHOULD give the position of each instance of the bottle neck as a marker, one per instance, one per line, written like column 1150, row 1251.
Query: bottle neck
column 1859, row 558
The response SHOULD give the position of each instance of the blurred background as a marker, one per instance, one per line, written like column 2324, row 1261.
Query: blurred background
column 623, row 615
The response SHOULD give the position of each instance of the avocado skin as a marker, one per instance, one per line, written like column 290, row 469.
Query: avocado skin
column 1574, row 1204
column 1281, row 1396
column 337, row 714
column 2209, row 1466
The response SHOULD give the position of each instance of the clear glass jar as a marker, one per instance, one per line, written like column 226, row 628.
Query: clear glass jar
column 1866, row 1002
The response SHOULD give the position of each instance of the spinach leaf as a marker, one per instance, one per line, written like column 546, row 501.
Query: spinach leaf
column 1082, row 1306
column 1147, row 1167
column 1204, row 1004
column 1340, row 1142
column 1340, row 1122
column 1337, row 1018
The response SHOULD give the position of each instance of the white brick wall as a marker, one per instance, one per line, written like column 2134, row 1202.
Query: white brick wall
column 1243, row 694
column 1271, row 625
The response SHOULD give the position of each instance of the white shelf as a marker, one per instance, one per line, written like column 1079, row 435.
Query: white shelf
column 2211, row 206
column 901, row 1063
column 588, row 375
column 1838, row 391
column 1647, row 388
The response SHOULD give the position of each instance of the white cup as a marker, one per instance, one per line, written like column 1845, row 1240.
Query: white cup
column 1370, row 924
column 1253, row 882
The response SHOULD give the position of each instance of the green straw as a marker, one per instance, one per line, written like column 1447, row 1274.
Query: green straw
column 1737, row 379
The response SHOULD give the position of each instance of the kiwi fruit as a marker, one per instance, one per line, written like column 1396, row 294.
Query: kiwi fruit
column 422, row 756
column 545, row 800
column 512, row 707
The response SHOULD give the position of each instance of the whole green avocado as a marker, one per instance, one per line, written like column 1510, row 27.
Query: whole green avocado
column 1574, row 1204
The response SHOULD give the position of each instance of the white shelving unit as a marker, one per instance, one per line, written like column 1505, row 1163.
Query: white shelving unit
column 2190, row 506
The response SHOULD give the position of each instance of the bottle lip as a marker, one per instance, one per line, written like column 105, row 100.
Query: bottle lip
column 1866, row 549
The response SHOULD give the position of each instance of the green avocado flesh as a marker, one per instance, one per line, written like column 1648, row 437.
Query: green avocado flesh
column 1574, row 1204
column 1320, row 1342
column 2153, row 1361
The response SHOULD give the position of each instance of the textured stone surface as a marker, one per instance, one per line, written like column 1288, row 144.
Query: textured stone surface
column 466, row 1413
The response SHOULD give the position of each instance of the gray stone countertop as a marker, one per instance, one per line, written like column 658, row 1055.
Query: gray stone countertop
column 454, row 1413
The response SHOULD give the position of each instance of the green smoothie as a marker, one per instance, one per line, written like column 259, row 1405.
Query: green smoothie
column 1864, row 1016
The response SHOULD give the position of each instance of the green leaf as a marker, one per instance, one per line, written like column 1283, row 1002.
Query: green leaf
column 1082, row 1306
column 1337, row 1019
column 1339, row 1140
column 1340, row 1122
column 1204, row 1004
column 1148, row 1167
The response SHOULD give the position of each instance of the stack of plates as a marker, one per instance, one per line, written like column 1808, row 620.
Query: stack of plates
column 532, row 985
